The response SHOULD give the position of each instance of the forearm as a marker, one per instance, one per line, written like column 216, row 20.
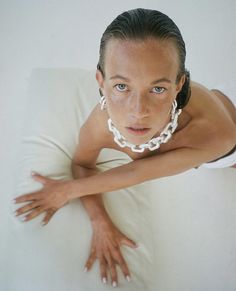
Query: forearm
column 93, row 204
column 138, row 171
column 113, row 179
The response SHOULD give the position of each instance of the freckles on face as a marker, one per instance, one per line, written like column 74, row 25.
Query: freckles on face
column 131, row 88
column 141, row 60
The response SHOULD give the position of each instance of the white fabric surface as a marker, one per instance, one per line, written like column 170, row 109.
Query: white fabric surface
column 185, row 224
column 53, row 257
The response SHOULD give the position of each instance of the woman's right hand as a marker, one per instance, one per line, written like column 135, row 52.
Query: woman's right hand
column 105, row 246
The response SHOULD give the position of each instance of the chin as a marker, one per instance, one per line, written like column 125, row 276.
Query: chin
column 139, row 138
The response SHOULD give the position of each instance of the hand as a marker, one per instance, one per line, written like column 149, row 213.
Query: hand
column 49, row 199
column 105, row 247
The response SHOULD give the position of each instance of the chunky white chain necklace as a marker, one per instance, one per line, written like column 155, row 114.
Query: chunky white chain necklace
column 155, row 142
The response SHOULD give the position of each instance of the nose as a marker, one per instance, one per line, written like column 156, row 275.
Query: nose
column 138, row 106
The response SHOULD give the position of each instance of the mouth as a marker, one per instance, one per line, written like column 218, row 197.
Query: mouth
column 138, row 131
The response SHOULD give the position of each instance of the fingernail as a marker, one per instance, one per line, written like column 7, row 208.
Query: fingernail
column 15, row 212
column 14, row 200
column 22, row 218
column 33, row 173
column 85, row 269
column 128, row 278
column 104, row 280
column 114, row 284
column 43, row 223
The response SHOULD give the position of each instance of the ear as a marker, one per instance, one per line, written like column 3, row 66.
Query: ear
column 181, row 83
column 100, row 79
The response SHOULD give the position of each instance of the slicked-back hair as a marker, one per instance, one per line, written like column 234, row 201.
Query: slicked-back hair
column 142, row 24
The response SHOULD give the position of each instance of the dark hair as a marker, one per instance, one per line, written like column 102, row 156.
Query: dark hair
column 141, row 24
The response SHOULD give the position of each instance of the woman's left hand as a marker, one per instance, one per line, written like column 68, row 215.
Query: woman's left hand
column 49, row 199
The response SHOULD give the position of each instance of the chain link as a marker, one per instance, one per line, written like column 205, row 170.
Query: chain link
column 154, row 143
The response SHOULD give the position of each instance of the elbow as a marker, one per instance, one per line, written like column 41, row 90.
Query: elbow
column 73, row 168
column 232, row 136
column 73, row 165
column 229, row 138
column 221, row 144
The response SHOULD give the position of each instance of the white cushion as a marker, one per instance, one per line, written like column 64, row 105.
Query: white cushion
column 53, row 257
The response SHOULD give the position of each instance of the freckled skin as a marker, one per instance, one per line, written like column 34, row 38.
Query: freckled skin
column 207, row 116
column 136, row 101
column 142, row 62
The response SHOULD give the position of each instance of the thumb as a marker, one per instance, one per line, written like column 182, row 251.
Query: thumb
column 39, row 177
column 128, row 242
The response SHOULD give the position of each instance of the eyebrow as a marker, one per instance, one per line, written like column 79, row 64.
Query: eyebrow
column 163, row 79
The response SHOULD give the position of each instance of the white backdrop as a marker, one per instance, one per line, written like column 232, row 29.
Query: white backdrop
column 66, row 34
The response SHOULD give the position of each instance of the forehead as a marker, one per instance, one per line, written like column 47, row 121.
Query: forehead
column 143, row 58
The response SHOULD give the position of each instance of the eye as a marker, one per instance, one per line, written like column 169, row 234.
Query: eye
column 159, row 90
column 120, row 87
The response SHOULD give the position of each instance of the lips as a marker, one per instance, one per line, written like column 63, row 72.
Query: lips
column 138, row 130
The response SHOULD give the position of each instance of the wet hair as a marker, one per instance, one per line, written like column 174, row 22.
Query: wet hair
column 142, row 24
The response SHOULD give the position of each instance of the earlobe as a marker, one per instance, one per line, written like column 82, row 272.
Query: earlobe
column 181, row 83
column 99, row 78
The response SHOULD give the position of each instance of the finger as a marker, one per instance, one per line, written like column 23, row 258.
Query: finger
column 27, row 208
column 123, row 265
column 119, row 259
column 112, row 269
column 128, row 242
column 40, row 178
column 48, row 216
column 90, row 261
column 28, row 197
column 103, row 269
column 34, row 213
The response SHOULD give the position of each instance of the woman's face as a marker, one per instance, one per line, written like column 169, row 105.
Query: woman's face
column 139, row 86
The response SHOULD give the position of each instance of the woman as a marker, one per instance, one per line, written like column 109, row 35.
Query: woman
column 150, row 110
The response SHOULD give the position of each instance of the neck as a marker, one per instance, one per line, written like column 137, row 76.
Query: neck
column 155, row 142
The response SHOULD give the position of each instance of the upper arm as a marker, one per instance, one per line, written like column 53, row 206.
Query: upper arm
column 91, row 141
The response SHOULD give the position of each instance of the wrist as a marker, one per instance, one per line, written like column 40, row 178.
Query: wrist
column 74, row 190
column 94, row 207
column 100, row 219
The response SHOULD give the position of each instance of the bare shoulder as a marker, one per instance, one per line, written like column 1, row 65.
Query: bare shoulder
column 92, row 138
column 211, row 124
column 95, row 126
column 207, row 107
